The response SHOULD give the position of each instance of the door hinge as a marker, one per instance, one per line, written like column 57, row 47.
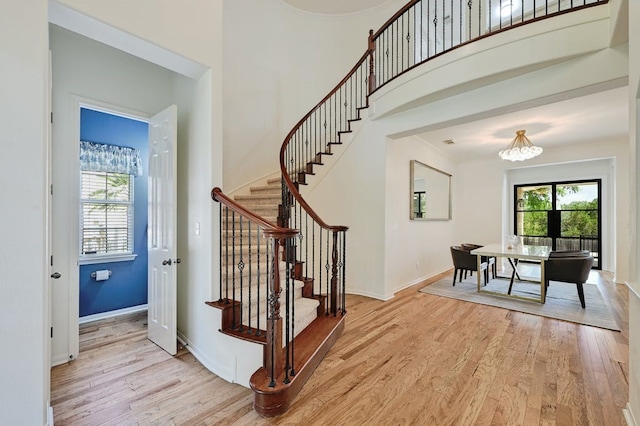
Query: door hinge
column 51, row 117
column 52, row 332
column 51, row 189
column 51, row 260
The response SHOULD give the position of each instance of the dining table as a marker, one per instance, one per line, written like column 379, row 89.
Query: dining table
column 514, row 253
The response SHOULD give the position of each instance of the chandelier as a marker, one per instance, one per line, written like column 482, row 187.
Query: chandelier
column 520, row 149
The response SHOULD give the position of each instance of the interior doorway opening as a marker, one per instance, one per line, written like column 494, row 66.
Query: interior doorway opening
column 112, row 273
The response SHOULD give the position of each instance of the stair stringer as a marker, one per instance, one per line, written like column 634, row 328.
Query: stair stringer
column 235, row 360
column 330, row 161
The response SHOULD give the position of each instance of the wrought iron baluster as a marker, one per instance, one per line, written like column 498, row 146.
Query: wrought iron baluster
column 287, row 313
column 306, row 245
column 401, row 35
column 344, row 272
column 272, row 300
column 421, row 24
column 250, row 265
column 480, row 18
column 327, row 267
column 233, row 270
column 220, row 298
column 258, row 241
column 460, row 38
column 451, row 24
column 428, row 30
column 470, row 4
column 226, row 245
column 320, row 262
column 290, row 278
column 240, row 267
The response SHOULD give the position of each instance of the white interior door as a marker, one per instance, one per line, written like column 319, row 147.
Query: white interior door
column 162, row 227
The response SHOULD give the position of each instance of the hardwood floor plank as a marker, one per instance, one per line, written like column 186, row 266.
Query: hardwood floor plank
column 417, row 359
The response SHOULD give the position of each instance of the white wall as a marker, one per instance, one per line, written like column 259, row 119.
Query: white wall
column 415, row 249
column 359, row 204
column 24, row 276
column 279, row 63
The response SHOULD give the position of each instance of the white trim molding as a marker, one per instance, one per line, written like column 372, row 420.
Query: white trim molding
column 111, row 314
column 628, row 414
column 632, row 290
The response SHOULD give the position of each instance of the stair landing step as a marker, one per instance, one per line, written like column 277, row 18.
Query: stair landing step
column 311, row 345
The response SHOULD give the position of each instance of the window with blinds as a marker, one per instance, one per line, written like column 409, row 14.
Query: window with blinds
column 106, row 203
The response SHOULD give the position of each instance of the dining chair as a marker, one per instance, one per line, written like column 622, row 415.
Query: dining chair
column 570, row 267
column 463, row 261
column 491, row 260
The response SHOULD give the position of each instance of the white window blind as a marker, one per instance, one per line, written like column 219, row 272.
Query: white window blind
column 106, row 213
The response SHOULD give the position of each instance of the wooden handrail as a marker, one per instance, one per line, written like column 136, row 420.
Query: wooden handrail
column 394, row 18
column 269, row 230
column 287, row 140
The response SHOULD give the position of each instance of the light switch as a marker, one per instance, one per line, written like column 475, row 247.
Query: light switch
column 197, row 228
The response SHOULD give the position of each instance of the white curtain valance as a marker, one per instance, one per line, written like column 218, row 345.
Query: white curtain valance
column 99, row 157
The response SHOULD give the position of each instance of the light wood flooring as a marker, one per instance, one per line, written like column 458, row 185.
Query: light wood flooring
column 417, row 359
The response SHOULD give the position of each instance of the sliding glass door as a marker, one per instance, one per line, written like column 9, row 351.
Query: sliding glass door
column 562, row 215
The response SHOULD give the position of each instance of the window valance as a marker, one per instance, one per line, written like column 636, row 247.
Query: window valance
column 99, row 157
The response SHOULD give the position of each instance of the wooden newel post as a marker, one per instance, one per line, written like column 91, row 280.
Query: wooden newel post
column 273, row 357
column 372, row 74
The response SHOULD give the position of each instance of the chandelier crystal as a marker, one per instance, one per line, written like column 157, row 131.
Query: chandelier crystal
column 520, row 149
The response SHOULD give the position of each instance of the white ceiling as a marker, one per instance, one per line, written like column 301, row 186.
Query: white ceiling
column 598, row 117
column 335, row 7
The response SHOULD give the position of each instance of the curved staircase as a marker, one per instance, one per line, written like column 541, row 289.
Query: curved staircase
column 282, row 268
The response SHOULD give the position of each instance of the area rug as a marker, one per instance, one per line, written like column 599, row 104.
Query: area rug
column 561, row 303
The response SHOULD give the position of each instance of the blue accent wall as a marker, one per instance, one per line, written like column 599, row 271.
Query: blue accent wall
column 127, row 285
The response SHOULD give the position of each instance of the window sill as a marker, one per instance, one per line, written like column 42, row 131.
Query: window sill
column 91, row 260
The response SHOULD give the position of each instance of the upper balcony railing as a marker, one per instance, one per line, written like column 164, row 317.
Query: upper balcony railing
column 424, row 29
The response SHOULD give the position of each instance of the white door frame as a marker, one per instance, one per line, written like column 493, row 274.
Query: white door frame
column 72, row 266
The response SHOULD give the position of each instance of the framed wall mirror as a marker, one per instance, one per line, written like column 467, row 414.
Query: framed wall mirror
column 430, row 193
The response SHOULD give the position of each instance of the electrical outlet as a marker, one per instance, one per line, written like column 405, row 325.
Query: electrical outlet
column 417, row 264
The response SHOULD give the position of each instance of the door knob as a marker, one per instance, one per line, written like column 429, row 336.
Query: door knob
column 56, row 275
column 166, row 262
column 178, row 260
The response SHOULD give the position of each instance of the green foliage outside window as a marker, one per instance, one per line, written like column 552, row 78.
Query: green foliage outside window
column 578, row 218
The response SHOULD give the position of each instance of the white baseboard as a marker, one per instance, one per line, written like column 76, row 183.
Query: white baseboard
column 631, row 289
column 59, row 360
column 49, row 416
column 628, row 416
column 111, row 314
column 369, row 294
column 422, row 279
column 227, row 374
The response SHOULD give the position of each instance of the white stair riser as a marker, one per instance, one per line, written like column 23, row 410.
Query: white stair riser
column 305, row 313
